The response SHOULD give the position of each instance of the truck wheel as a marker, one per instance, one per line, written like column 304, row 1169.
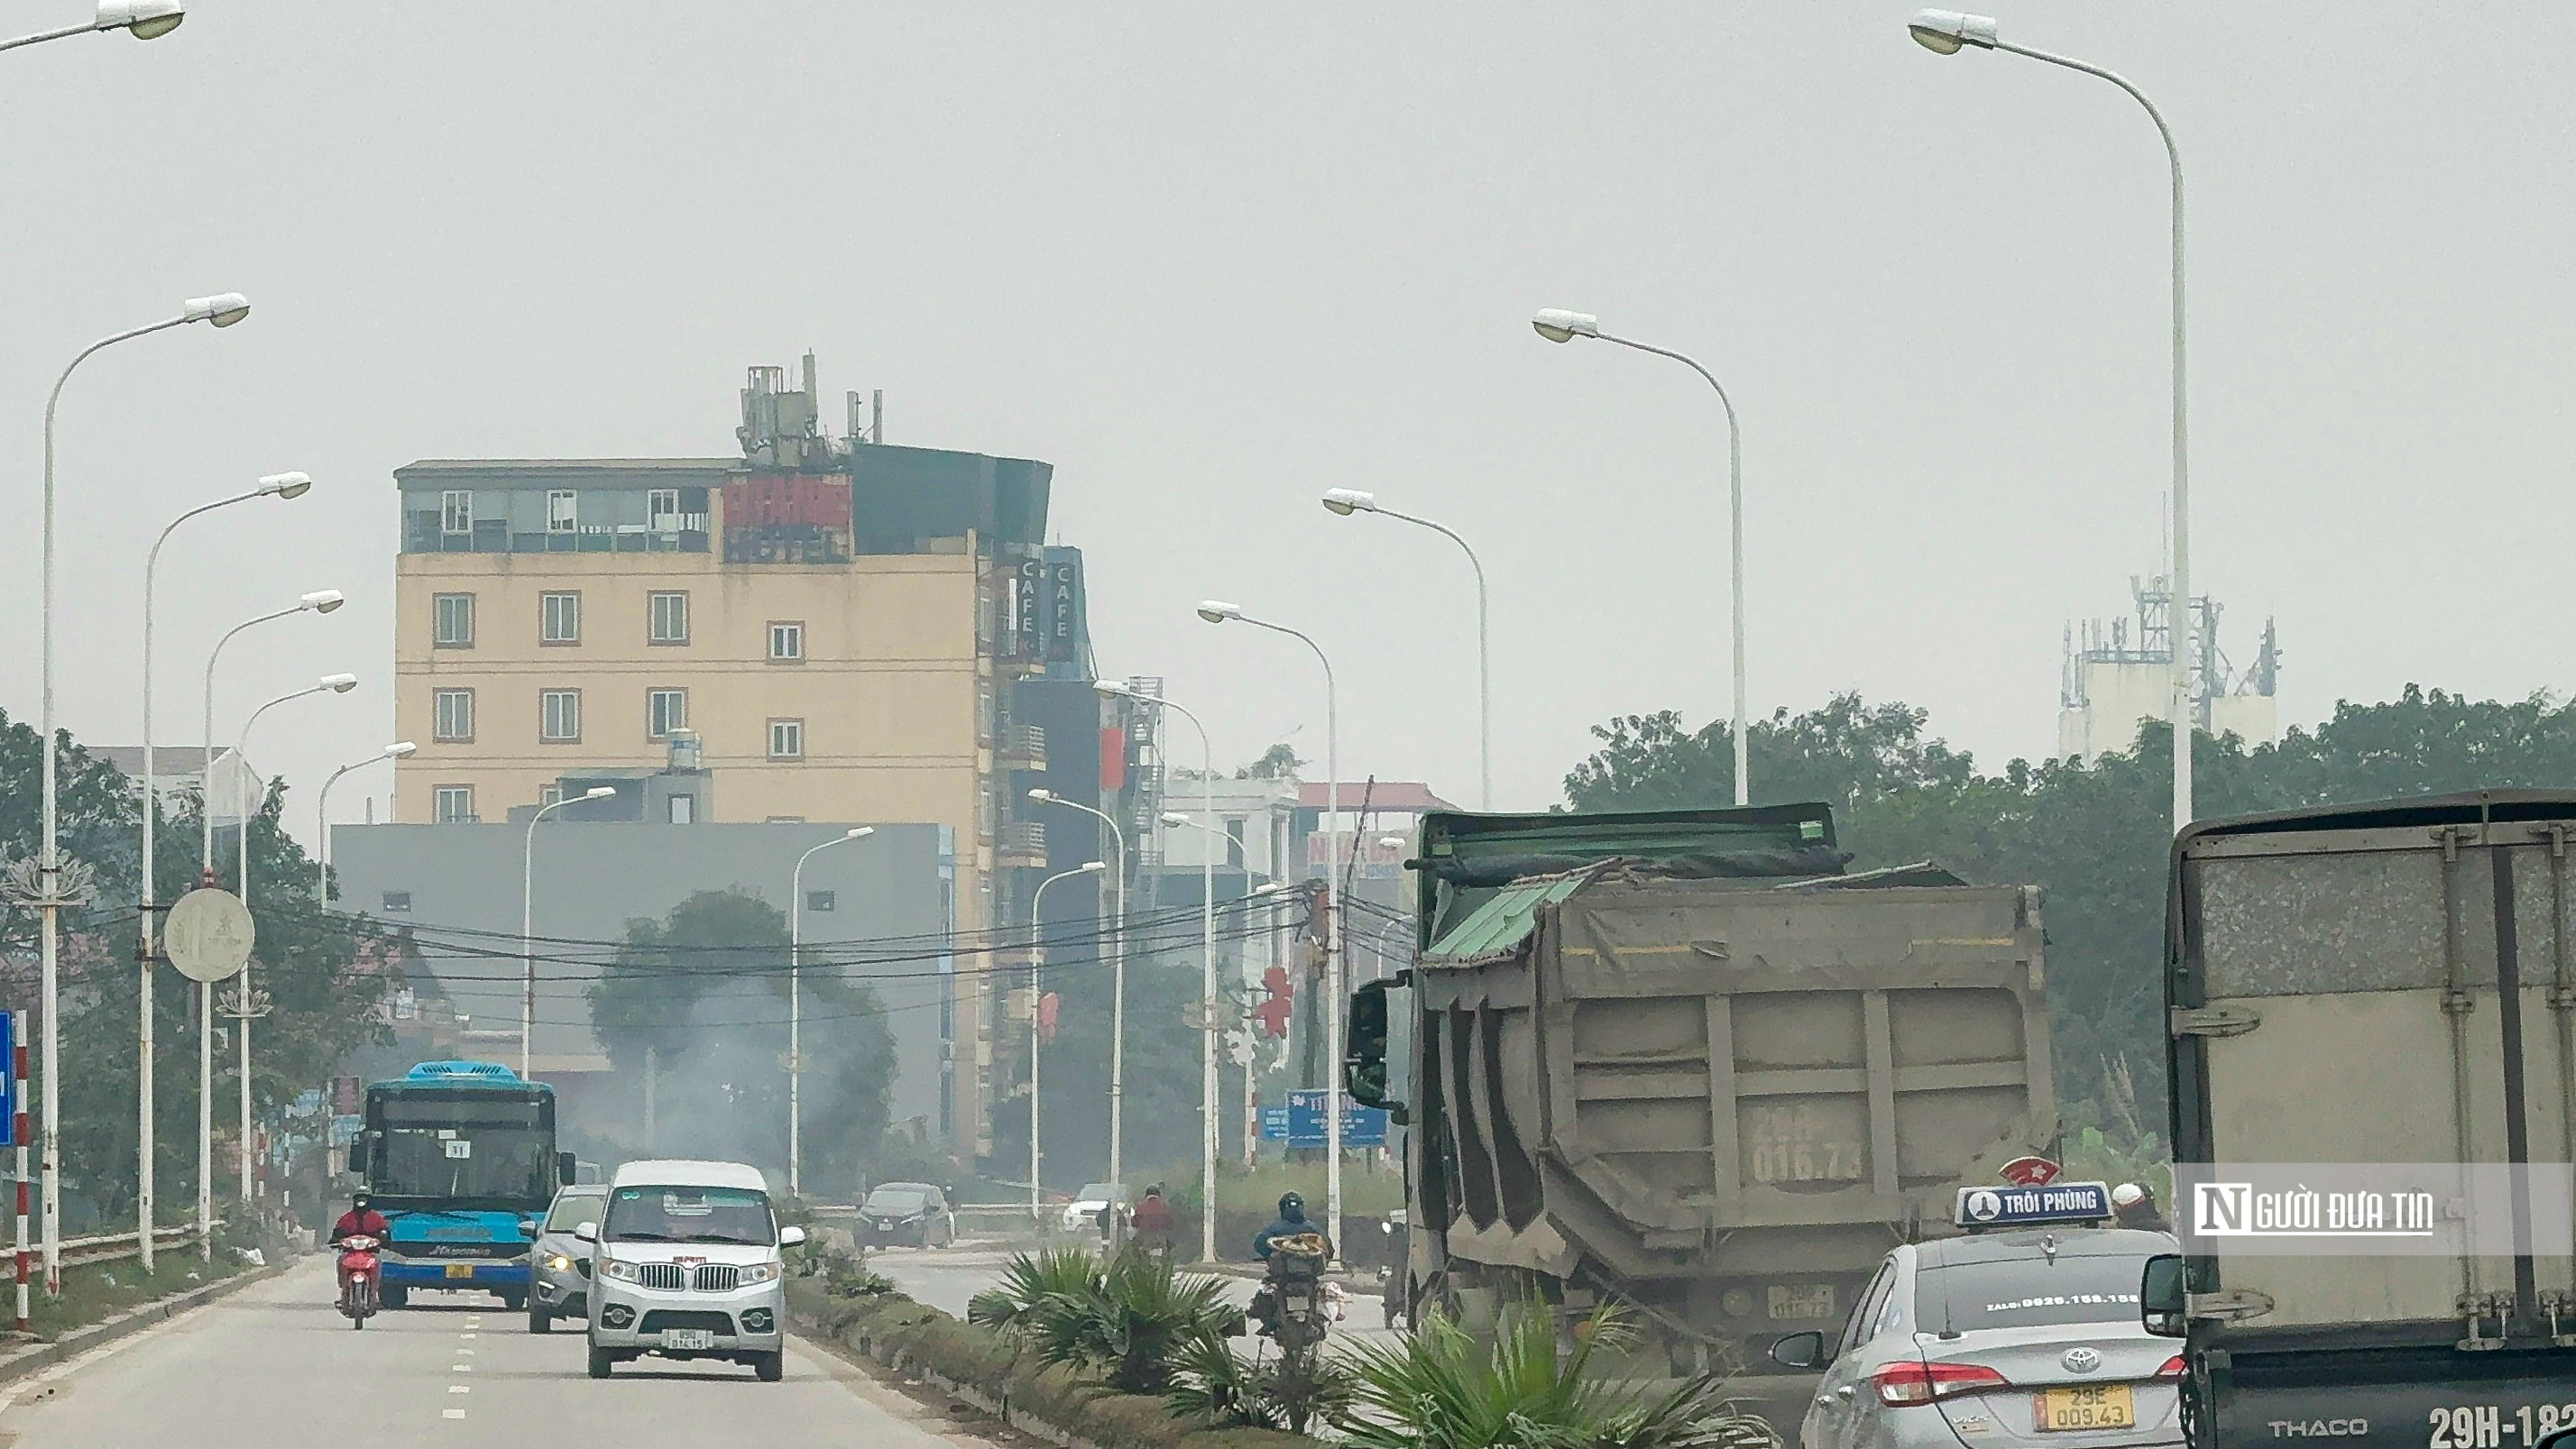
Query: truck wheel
column 539, row 1320
column 771, row 1367
column 600, row 1362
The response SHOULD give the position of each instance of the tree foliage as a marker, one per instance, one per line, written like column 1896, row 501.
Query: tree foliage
column 2093, row 834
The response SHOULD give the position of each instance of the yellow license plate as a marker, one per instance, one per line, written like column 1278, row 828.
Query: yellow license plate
column 460, row 1270
column 2093, row 1406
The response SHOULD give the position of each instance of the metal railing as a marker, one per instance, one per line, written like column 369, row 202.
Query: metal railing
column 108, row 1247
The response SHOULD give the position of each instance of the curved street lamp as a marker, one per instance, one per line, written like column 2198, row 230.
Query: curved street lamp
column 1037, row 1205
column 1218, row 611
column 796, row 1006
column 1117, row 986
column 276, row 485
column 1944, row 32
column 1347, row 501
column 527, row 920
column 142, row 19
column 1558, row 325
column 400, row 750
column 223, row 311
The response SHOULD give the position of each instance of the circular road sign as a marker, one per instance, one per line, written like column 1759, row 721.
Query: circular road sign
column 209, row 935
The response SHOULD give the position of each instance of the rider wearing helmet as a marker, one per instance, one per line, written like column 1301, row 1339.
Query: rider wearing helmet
column 361, row 1218
column 2133, row 1205
column 1291, row 1222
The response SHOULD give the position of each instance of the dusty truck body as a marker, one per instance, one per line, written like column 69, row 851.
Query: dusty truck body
column 2382, row 984
column 1681, row 1061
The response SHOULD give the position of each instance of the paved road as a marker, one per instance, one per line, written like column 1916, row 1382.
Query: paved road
column 274, row 1367
column 945, row 1278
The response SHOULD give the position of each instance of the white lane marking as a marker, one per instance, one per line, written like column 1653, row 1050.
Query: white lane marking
column 452, row 1414
column 460, row 1368
column 467, row 1352
column 474, row 1323
column 465, row 1335
column 459, row 1389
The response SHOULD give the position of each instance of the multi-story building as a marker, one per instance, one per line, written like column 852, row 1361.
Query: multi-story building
column 819, row 629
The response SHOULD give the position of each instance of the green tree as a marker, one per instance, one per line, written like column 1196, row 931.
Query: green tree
column 704, row 992
column 1843, row 751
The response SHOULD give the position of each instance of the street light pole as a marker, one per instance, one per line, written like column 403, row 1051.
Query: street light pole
column 321, row 601
column 1207, row 963
column 527, row 922
column 1347, row 501
column 400, row 750
column 1037, row 1199
column 1117, row 988
column 282, row 485
column 1944, row 32
column 1217, row 611
column 243, row 1010
column 142, row 19
column 51, row 895
column 796, row 1008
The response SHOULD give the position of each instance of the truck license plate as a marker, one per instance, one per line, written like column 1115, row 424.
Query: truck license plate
column 2093, row 1406
column 460, row 1270
column 688, row 1338
column 1802, row 1300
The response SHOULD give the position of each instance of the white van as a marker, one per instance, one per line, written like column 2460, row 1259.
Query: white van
column 687, row 1266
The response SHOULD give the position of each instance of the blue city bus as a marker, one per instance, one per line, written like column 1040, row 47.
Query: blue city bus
column 460, row 1158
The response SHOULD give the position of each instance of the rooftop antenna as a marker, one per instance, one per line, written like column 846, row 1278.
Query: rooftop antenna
column 876, row 416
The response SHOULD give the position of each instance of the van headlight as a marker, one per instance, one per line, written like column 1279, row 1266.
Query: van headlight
column 559, row 1263
column 758, row 1273
column 622, row 1272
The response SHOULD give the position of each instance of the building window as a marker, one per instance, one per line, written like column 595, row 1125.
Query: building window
column 455, row 804
column 684, row 809
column 456, row 512
column 666, row 712
column 1234, row 826
column 670, row 619
column 549, row 795
column 787, row 739
column 559, row 713
column 397, row 903
column 558, row 618
column 452, row 621
column 662, row 510
column 452, row 716
column 563, row 511
column 822, row 900
column 786, row 639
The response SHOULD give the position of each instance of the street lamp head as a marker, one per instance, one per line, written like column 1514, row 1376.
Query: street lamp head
column 1944, row 31
column 1174, row 817
column 321, row 601
column 1091, row 866
column 401, row 750
column 286, row 485
column 144, row 19
column 859, row 832
column 1217, row 611
column 1111, row 689
column 223, row 309
column 1042, row 795
column 1558, row 325
column 1347, row 501
column 599, row 792
column 339, row 683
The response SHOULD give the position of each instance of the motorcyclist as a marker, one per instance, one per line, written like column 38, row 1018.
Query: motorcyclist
column 361, row 1218
column 1283, row 1264
column 1152, row 1221
column 1291, row 1222
column 2133, row 1205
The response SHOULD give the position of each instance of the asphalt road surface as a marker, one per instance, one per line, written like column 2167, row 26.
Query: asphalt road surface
column 274, row 1366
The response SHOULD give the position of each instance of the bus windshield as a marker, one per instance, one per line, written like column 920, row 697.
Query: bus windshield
column 463, row 1147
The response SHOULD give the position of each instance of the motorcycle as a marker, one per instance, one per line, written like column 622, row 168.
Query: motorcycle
column 358, row 1260
column 1292, row 1306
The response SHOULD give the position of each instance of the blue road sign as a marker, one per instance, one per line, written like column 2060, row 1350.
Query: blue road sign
column 1301, row 1123
column 2023, row 1207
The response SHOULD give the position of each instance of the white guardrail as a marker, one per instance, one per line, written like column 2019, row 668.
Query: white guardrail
column 108, row 1247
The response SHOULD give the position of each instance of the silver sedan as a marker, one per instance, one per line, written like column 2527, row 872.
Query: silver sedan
column 559, row 1263
column 2011, row 1340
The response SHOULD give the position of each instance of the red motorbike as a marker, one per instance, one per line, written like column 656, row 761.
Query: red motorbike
column 358, row 1264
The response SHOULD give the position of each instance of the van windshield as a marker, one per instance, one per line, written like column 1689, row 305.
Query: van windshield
column 681, row 1214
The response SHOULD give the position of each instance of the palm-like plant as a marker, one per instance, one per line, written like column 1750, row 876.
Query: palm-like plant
column 1442, row 1389
column 1212, row 1384
column 1131, row 1318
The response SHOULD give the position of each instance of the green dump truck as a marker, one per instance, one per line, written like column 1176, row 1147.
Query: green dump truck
column 1684, row 1061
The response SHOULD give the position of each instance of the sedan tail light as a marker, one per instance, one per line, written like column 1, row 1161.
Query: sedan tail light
column 1900, row 1384
column 2174, row 1368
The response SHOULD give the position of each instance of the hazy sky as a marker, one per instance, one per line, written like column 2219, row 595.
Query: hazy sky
column 1212, row 259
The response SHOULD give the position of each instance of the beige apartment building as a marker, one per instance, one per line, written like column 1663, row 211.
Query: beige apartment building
column 818, row 631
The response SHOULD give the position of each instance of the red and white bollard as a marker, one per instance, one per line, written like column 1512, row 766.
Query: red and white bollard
column 18, row 1131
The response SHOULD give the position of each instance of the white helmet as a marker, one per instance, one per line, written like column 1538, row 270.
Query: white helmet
column 2128, row 1195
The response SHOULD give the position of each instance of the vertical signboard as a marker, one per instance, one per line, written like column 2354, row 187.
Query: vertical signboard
column 9, row 1133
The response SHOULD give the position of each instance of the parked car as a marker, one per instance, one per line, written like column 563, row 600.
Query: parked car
column 1082, row 1215
column 2009, row 1339
column 559, row 1263
column 687, row 1265
column 907, row 1212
